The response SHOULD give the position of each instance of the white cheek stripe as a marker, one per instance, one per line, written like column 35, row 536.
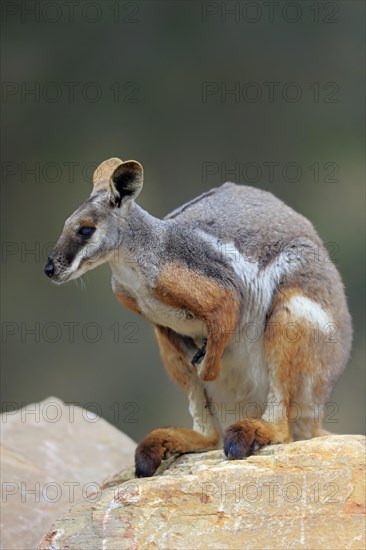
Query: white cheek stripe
column 85, row 252
column 77, row 260
column 307, row 309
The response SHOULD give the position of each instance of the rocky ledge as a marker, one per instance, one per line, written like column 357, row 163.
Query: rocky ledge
column 308, row 494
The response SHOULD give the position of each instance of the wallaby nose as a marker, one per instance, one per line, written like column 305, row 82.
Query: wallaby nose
column 49, row 268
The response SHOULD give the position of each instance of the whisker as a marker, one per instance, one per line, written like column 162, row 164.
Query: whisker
column 82, row 284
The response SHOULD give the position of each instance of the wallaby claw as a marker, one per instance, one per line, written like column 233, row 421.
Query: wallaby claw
column 199, row 356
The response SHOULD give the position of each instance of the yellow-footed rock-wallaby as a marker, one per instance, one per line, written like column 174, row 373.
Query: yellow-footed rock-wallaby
column 249, row 310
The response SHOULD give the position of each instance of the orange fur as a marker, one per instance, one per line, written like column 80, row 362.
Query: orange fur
column 128, row 302
column 292, row 352
column 243, row 437
column 89, row 222
column 289, row 343
column 163, row 443
column 177, row 364
column 216, row 306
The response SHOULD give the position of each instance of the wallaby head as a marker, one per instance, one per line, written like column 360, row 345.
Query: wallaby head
column 95, row 230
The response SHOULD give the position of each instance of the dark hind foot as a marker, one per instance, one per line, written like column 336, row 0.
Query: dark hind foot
column 165, row 442
column 245, row 437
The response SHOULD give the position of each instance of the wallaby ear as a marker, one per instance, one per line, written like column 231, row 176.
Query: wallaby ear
column 126, row 181
column 103, row 173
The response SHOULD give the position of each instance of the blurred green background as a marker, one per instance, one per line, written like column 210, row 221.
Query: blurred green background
column 199, row 93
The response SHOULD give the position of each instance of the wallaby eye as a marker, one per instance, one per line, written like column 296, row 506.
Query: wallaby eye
column 86, row 231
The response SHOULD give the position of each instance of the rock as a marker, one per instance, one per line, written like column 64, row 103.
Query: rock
column 308, row 494
column 51, row 458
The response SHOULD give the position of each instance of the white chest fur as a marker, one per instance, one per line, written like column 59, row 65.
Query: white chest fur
column 129, row 278
column 242, row 386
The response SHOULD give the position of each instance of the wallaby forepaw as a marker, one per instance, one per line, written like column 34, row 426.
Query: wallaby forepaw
column 198, row 361
column 205, row 372
column 245, row 437
column 199, row 356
